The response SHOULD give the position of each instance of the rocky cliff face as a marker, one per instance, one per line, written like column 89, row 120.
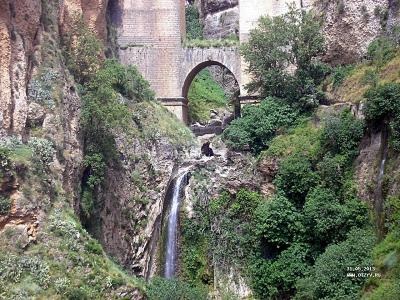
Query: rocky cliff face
column 220, row 18
column 39, row 100
column 350, row 26
column 227, row 171
column 133, row 201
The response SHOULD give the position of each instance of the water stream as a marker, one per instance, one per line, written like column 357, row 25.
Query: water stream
column 379, row 197
column 172, row 227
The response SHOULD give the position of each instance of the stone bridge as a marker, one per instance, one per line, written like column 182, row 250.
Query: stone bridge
column 151, row 35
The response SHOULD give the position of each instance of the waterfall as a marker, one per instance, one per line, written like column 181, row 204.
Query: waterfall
column 171, row 242
column 378, row 195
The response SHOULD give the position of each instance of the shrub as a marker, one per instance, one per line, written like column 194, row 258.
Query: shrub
column 258, row 125
column 83, row 50
column 340, row 73
column 342, row 134
column 278, row 222
column 94, row 247
column 381, row 50
column 43, row 150
column 5, row 205
column 382, row 102
column 77, row 294
column 276, row 279
column 168, row 289
column 370, row 77
column 5, row 161
column 327, row 279
column 328, row 220
column 15, row 268
column 303, row 139
column 194, row 29
column 41, row 89
column 103, row 110
column 295, row 178
column 95, row 166
column 332, row 171
column 126, row 81
column 87, row 202
column 383, row 107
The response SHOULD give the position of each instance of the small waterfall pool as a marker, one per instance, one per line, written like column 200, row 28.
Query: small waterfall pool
column 172, row 226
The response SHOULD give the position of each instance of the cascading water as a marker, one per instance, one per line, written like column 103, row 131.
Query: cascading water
column 379, row 197
column 171, row 243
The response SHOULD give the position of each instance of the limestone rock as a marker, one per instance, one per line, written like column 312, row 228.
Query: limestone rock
column 221, row 24
column 36, row 113
column 349, row 27
column 212, row 6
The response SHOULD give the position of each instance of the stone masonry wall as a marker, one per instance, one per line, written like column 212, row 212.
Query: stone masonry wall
column 150, row 36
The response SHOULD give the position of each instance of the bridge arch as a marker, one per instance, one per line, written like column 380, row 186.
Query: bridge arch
column 196, row 70
column 197, row 59
column 191, row 75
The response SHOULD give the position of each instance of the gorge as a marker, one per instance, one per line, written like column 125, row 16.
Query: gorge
column 172, row 149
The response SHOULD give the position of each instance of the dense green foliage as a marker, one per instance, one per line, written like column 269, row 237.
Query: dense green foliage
column 327, row 279
column 278, row 222
column 383, row 109
column 381, row 50
column 282, row 243
column 316, row 219
column 259, row 124
column 5, row 205
column 295, row 178
column 282, row 56
column 205, row 94
column 83, row 50
column 194, row 29
column 108, row 91
column 173, row 289
column 342, row 134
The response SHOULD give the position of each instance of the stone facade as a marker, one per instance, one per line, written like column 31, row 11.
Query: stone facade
column 151, row 35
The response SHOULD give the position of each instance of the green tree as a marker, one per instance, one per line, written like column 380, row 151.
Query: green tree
column 328, row 278
column 276, row 279
column 282, row 57
column 295, row 178
column 328, row 220
column 278, row 222
column 342, row 134
column 332, row 171
column 194, row 29
column 258, row 125
column 383, row 107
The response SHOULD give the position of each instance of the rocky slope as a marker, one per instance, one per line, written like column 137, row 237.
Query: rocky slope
column 210, row 176
column 41, row 167
column 132, row 199
column 350, row 26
